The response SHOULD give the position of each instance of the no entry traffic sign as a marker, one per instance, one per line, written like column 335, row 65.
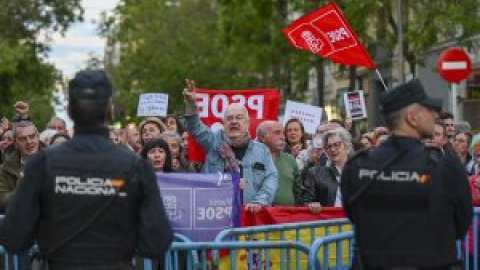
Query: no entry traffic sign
column 454, row 65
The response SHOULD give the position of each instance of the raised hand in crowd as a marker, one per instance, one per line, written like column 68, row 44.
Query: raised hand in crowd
column 242, row 184
column 4, row 125
column 21, row 110
column 253, row 207
column 315, row 207
column 189, row 94
column 175, row 164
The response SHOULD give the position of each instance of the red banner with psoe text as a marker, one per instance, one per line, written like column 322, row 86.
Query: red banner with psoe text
column 261, row 104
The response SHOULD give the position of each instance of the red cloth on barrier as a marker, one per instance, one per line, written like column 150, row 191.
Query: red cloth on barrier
column 285, row 214
column 288, row 214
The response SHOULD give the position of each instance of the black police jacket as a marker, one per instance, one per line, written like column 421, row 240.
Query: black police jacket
column 67, row 185
column 413, row 212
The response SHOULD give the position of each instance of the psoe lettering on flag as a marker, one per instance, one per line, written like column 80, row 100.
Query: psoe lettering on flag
column 326, row 32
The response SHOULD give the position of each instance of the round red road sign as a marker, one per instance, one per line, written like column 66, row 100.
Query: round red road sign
column 454, row 65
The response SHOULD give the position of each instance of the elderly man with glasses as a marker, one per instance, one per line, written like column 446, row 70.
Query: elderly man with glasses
column 232, row 149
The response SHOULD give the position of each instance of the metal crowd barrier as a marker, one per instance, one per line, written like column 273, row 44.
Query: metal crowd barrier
column 323, row 245
column 336, row 232
column 256, row 258
column 327, row 227
column 304, row 232
column 172, row 258
column 468, row 250
column 471, row 260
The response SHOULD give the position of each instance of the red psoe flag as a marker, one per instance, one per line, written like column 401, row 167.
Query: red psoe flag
column 326, row 32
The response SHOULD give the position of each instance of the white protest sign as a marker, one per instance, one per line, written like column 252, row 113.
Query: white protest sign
column 152, row 104
column 309, row 115
column 355, row 104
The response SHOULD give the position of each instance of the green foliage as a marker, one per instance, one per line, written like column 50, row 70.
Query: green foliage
column 161, row 46
column 426, row 23
column 232, row 44
column 24, row 74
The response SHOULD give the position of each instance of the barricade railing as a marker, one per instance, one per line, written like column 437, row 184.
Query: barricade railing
column 174, row 260
column 257, row 254
column 470, row 249
column 332, row 231
column 326, row 227
column 324, row 245
column 305, row 232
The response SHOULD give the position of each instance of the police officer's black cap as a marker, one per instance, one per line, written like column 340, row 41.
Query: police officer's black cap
column 90, row 85
column 406, row 94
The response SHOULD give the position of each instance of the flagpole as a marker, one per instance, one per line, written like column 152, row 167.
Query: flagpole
column 381, row 79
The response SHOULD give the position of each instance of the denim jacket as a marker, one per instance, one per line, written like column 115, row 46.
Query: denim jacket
column 259, row 171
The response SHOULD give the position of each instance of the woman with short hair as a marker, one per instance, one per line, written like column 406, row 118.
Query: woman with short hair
column 157, row 152
column 151, row 128
column 321, row 184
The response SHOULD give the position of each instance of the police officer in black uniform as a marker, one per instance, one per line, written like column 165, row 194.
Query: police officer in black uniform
column 408, row 203
column 88, row 203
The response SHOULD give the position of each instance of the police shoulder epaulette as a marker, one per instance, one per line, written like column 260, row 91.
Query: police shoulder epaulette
column 359, row 155
column 434, row 153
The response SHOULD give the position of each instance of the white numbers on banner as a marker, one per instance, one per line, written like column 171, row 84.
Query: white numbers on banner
column 338, row 35
column 213, row 213
column 219, row 103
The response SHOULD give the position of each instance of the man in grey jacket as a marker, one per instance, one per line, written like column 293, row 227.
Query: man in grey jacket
column 232, row 149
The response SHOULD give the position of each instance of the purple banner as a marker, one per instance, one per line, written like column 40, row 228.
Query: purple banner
column 199, row 205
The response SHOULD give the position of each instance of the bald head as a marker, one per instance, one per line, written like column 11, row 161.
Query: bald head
column 235, row 121
column 271, row 134
column 237, row 107
column 263, row 127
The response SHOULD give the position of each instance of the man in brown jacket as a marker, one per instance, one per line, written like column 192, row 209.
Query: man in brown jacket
column 26, row 143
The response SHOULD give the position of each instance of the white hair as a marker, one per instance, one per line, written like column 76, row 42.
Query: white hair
column 344, row 136
column 262, row 128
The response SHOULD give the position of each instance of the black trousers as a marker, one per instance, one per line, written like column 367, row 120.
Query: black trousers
column 100, row 266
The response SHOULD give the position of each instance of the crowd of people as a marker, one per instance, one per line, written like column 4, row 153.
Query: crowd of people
column 279, row 165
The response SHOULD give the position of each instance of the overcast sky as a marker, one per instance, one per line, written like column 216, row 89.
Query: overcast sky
column 70, row 53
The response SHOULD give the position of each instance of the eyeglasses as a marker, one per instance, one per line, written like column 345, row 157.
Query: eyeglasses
column 238, row 117
column 332, row 146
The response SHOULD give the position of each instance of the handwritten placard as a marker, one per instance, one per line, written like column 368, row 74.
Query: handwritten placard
column 310, row 116
column 152, row 104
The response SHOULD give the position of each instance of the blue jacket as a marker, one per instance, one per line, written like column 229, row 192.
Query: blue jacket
column 258, row 168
